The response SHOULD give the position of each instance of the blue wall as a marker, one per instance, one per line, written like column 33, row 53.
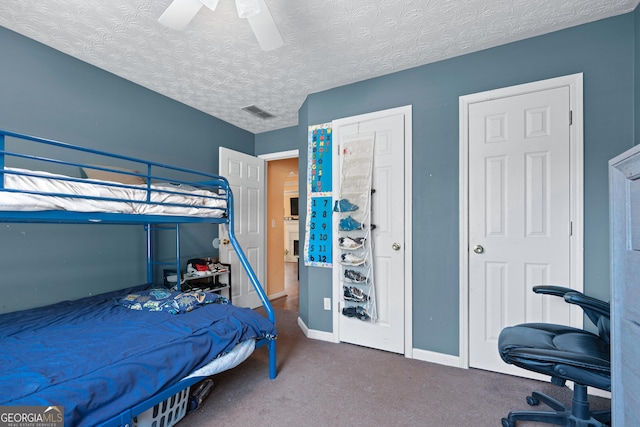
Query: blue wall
column 277, row 141
column 603, row 51
column 46, row 93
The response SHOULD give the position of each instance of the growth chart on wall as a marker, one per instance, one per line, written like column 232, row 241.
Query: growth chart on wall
column 318, row 236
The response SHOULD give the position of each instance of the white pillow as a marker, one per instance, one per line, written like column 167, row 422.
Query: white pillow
column 114, row 176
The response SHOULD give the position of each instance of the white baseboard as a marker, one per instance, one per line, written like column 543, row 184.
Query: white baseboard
column 426, row 356
column 439, row 358
column 278, row 295
column 304, row 328
column 313, row 334
column 449, row 360
column 418, row 354
column 592, row 391
column 597, row 392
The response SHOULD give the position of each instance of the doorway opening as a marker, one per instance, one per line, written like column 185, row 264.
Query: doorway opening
column 282, row 229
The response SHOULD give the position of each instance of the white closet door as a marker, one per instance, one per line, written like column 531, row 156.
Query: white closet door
column 519, row 217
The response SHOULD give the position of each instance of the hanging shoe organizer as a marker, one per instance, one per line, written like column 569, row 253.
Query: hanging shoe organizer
column 353, row 237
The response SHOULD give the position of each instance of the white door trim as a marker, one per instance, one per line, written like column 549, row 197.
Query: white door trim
column 574, row 82
column 408, row 230
column 279, row 155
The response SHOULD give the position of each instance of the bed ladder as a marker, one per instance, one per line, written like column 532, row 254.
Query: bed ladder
column 271, row 344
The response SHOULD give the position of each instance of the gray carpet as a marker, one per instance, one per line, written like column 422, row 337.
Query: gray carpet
column 327, row 384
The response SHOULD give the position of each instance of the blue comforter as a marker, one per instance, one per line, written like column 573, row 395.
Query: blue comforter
column 97, row 358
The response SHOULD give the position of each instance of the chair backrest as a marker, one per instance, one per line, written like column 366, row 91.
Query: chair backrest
column 604, row 329
column 599, row 312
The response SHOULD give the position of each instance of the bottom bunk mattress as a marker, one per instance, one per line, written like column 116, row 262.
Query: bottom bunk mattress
column 98, row 356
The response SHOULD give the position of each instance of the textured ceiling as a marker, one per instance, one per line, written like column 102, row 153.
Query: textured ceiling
column 215, row 65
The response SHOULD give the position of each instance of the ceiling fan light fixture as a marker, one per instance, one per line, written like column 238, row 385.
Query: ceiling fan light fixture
column 180, row 12
column 265, row 28
column 247, row 8
column 211, row 4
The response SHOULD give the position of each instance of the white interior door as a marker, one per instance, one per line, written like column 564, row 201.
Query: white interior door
column 246, row 175
column 387, row 203
column 519, row 216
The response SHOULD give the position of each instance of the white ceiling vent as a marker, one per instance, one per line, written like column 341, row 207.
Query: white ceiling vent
column 258, row 112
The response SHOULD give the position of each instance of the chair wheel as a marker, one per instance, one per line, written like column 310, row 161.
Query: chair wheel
column 507, row 423
column 532, row 401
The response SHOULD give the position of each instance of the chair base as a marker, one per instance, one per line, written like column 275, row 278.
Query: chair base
column 577, row 416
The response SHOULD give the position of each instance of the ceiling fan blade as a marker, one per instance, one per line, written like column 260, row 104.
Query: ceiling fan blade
column 265, row 28
column 180, row 13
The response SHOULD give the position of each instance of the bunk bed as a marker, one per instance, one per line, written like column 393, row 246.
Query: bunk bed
column 148, row 354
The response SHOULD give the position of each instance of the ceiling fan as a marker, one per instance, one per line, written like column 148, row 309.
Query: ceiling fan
column 181, row 12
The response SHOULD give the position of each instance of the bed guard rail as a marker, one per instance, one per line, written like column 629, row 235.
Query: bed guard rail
column 79, row 180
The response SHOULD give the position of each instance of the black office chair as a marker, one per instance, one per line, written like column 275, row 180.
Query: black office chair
column 566, row 354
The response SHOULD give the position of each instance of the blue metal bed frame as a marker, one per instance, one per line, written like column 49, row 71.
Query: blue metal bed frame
column 155, row 172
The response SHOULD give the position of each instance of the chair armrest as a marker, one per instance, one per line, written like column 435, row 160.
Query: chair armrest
column 591, row 306
column 558, row 291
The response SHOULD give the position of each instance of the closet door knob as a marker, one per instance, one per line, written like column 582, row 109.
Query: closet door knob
column 395, row 246
column 478, row 249
column 225, row 241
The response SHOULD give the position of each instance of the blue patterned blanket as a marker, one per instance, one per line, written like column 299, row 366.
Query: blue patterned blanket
column 97, row 358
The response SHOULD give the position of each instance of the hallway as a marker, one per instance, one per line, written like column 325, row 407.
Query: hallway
column 290, row 301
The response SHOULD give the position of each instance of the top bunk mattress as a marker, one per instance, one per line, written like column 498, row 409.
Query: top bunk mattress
column 97, row 358
column 52, row 181
column 27, row 190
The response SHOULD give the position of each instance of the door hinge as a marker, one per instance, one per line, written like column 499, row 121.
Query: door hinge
column 570, row 228
column 570, row 117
